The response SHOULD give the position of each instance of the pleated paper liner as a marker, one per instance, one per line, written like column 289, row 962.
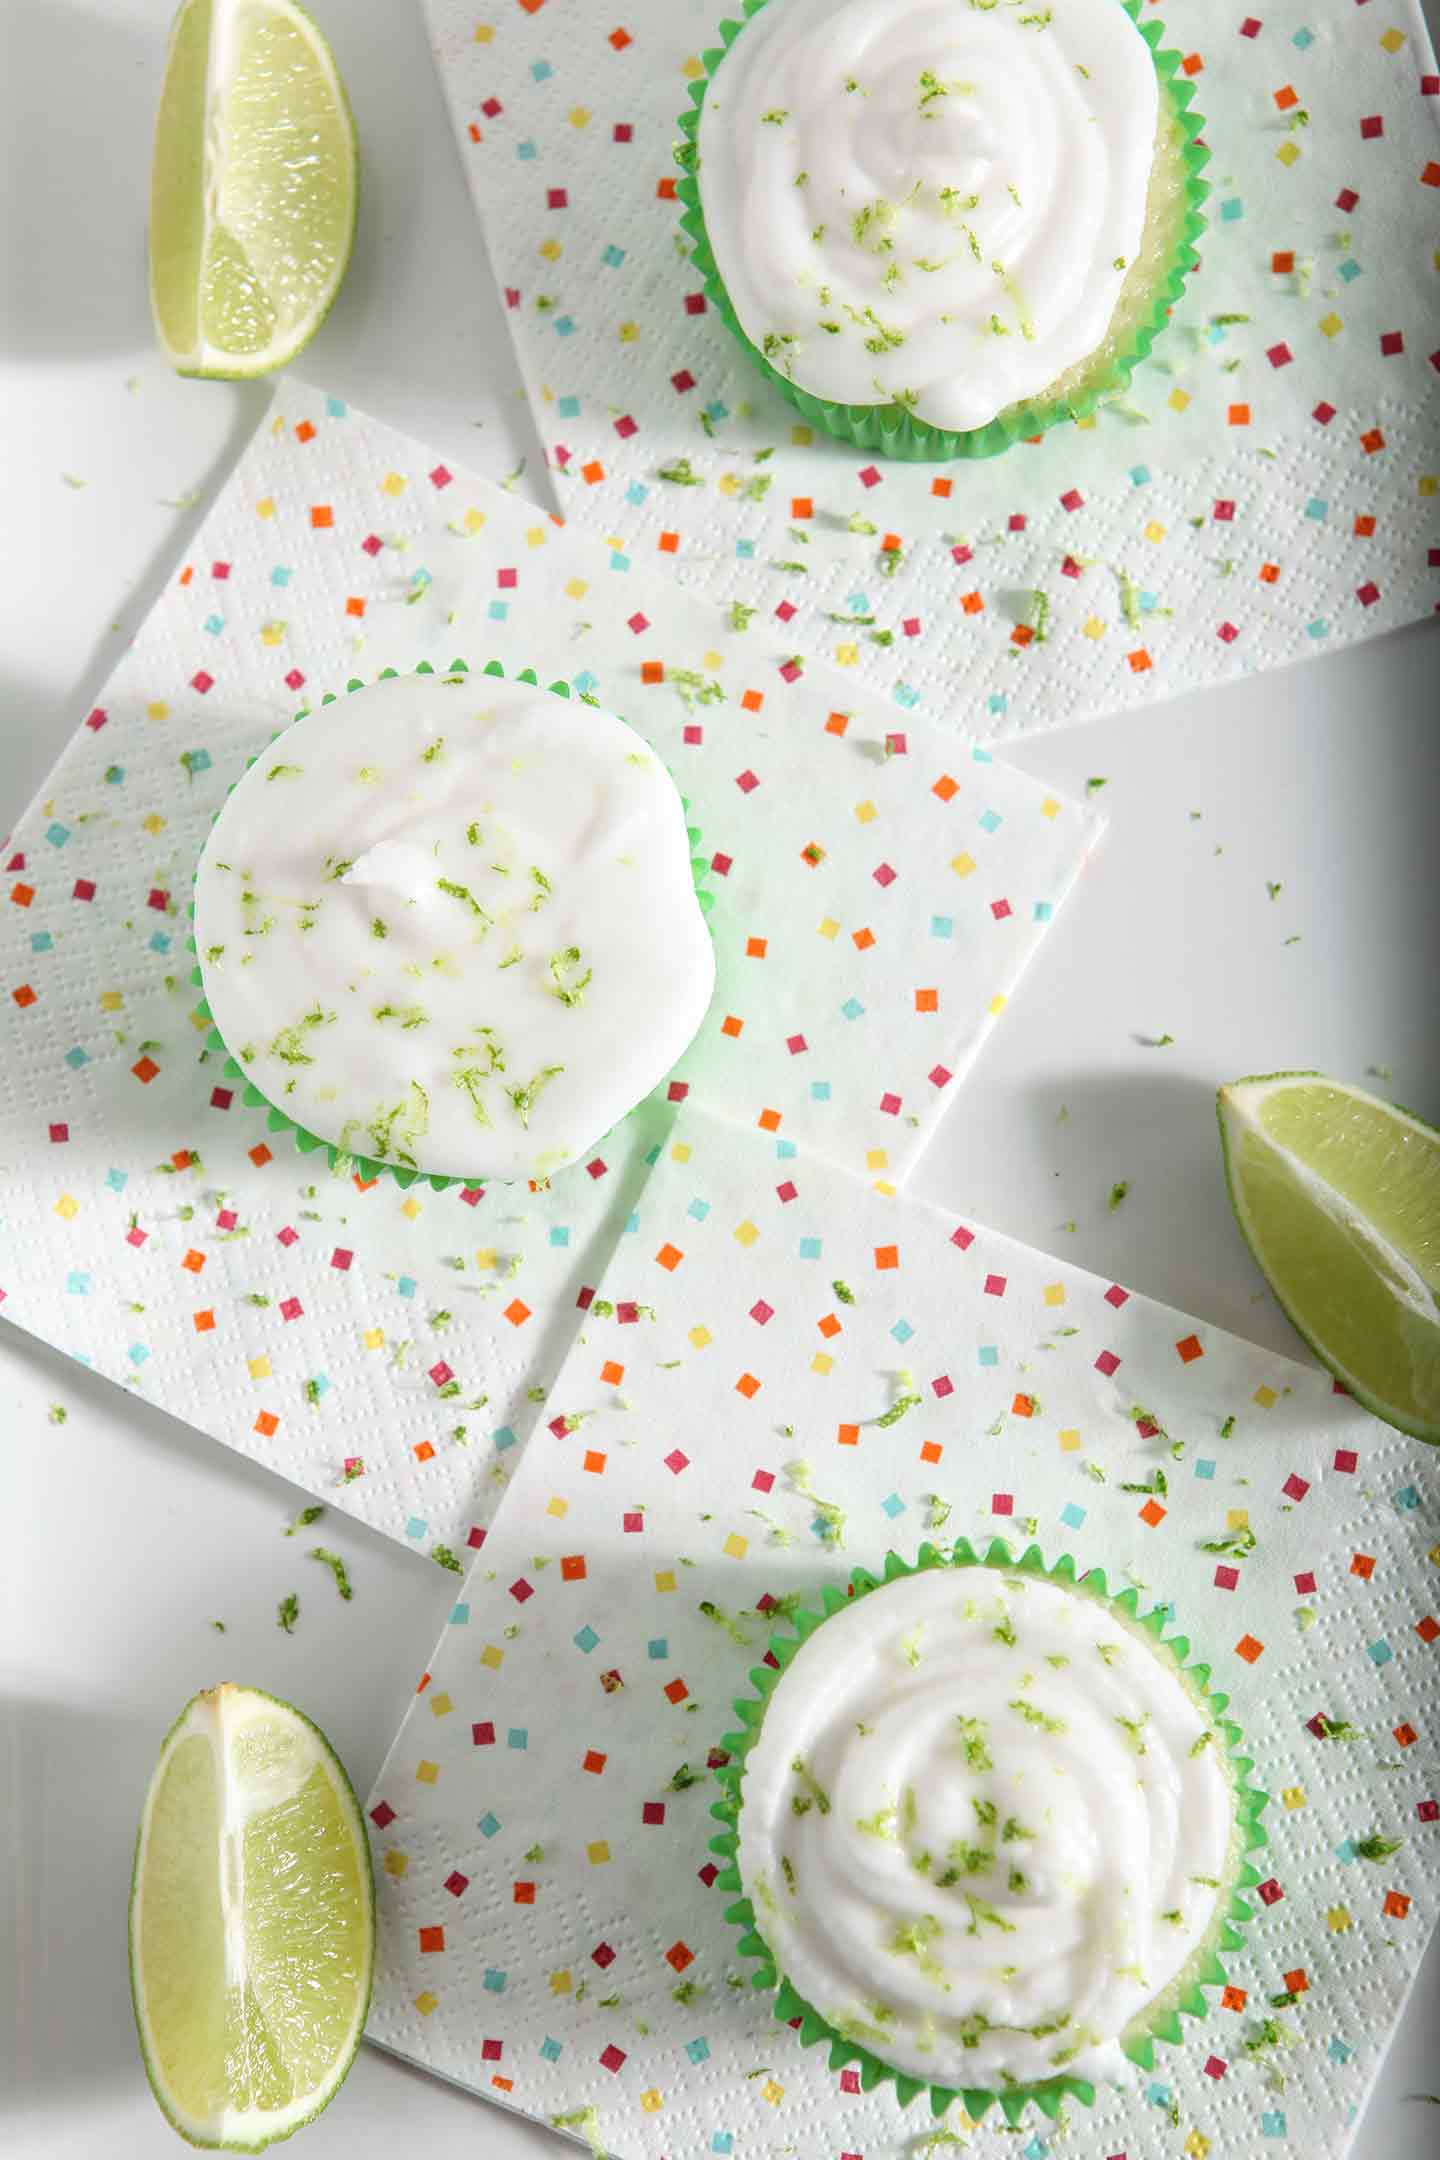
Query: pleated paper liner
column 1185, row 1997
column 280, row 1121
column 890, row 430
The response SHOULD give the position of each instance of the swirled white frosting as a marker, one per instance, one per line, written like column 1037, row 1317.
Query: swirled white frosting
column 983, row 1826
column 450, row 924
column 928, row 202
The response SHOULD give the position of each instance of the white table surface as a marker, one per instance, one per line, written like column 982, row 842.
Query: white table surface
column 124, row 1532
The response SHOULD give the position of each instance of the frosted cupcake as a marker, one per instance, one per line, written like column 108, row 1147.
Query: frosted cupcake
column 449, row 925
column 989, row 1831
column 940, row 227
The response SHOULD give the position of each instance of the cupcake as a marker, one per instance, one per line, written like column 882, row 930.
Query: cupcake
column 939, row 228
column 449, row 925
column 988, row 1829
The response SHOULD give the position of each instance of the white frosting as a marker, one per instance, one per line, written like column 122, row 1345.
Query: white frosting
column 449, row 923
column 1005, row 144
column 981, row 1828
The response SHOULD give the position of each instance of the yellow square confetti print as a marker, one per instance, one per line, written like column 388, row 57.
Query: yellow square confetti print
column 884, row 1187
column 67, row 1207
column 1154, row 531
column 578, row 116
column 664, row 1580
column 597, row 1852
column 1069, row 1439
column 713, row 660
column 1391, row 40
column 426, row 1772
column 441, row 1705
column 700, row 1338
column 560, row 1982
column 736, row 1546
column 486, row 1256
column 394, row 483
column 1196, row 2146
column 1178, row 400
column 425, row 2002
column 681, row 1152
column 535, row 536
column 803, row 436
column 822, row 1363
column 962, row 864
column 1332, row 324
column 692, row 69
column 258, row 1367
column 729, row 483
column 111, row 1000
column 1266, row 1397
column 877, row 1158
column 272, row 633
column 629, row 332
column 997, row 1003
column 492, row 1657
column 551, row 250
column 473, row 520
column 484, row 32
column 1093, row 628
column 154, row 823
column 1237, row 1518
column 772, row 2092
column 746, row 1234
column 557, row 1506
column 829, row 928
column 576, row 588
column 395, row 1863
column 157, row 709
column 1288, row 153
column 1293, row 1796
column 412, row 1207
column 847, row 655
column 865, row 812
column 199, row 1022
column 265, row 508
column 652, row 2101
column 1429, row 482
column 1339, row 1919
column 1054, row 1293
column 1050, row 808
column 374, row 1338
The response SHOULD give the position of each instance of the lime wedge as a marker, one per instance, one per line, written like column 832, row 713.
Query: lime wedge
column 1338, row 1195
column 253, row 189
column 252, row 1922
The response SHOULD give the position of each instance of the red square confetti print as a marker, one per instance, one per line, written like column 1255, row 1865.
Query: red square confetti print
column 432, row 1939
column 1249, row 1648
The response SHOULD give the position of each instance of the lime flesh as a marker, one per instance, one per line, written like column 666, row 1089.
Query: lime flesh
column 253, row 190
column 1338, row 1196
column 252, row 1926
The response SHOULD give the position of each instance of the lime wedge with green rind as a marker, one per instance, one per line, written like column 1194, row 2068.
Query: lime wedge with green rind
column 254, row 187
column 1338, row 1196
column 252, row 1922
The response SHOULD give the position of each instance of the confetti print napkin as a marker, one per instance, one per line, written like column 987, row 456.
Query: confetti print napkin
column 1268, row 488
column 828, row 1374
column 879, row 897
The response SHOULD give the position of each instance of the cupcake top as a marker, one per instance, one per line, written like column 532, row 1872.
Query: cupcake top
column 449, row 923
column 928, row 204
column 984, row 1826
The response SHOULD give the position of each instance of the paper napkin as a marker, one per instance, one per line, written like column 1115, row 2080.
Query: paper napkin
column 1267, row 489
column 550, row 1931
column 878, row 897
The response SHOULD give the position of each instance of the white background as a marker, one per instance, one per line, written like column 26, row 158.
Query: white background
column 125, row 1533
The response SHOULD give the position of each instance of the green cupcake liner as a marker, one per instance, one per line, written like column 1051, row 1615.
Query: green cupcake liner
column 790, row 2006
column 279, row 1120
column 889, row 429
